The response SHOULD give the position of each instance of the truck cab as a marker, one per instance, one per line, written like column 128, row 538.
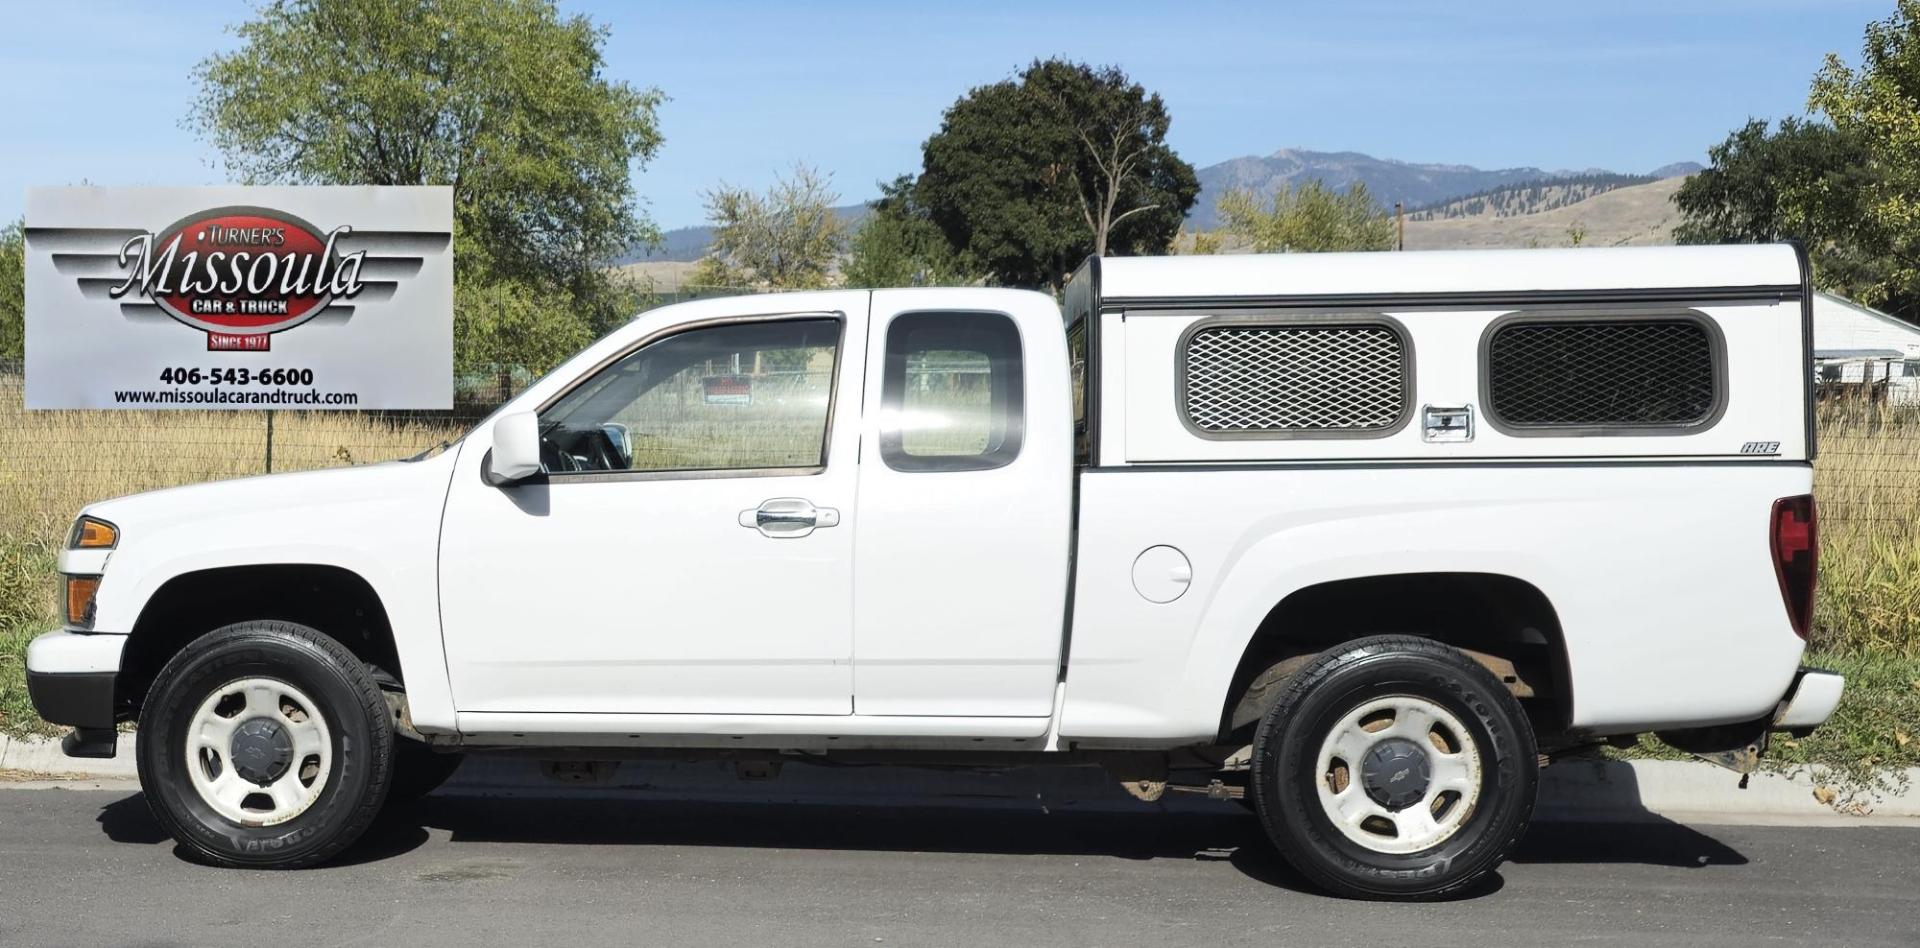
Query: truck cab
column 1354, row 538
column 807, row 515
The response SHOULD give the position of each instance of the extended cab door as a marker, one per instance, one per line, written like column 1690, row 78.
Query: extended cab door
column 690, row 547
column 965, row 493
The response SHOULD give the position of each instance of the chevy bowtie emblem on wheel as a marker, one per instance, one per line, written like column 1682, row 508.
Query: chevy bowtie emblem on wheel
column 240, row 273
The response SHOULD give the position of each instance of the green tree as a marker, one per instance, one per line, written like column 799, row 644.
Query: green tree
column 13, row 292
column 1201, row 243
column 1028, row 176
column 785, row 239
column 1805, row 181
column 499, row 323
column 1877, row 107
column 899, row 245
column 1308, row 218
column 504, row 100
column 1801, row 182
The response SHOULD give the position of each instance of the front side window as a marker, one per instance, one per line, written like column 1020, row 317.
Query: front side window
column 736, row 397
column 951, row 394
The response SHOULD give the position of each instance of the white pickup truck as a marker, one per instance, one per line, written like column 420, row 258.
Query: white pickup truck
column 1361, row 538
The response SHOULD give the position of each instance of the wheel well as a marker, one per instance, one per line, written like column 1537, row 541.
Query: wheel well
column 333, row 600
column 1497, row 616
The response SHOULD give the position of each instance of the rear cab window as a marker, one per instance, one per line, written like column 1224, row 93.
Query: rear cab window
column 952, row 397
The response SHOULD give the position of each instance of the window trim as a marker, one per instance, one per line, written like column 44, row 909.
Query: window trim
column 1291, row 320
column 663, row 334
column 1717, row 354
column 1083, row 390
column 893, row 455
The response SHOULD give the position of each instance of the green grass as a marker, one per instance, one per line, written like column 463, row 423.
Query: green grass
column 1863, row 750
column 1876, row 730
column 26, row 610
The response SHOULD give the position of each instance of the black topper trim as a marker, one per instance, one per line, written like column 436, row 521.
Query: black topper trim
column 1806, row 344
column 1469, row 298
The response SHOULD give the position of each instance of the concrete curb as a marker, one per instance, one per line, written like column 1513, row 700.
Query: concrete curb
column 42, row 755
column 1584, row 790
column 1701, row 792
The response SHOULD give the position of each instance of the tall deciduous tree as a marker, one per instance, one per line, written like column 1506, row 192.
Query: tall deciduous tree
column 899, row 244
column 505, row 100
column 1028, row 176
column 785, row 239
column 1806, row 181
column 1878, row 105
column 1309, row 218
column 1761, row 185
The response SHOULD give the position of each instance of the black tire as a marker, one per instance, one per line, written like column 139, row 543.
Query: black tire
column 418, row 770
column 345, row 697
column 1286, row 753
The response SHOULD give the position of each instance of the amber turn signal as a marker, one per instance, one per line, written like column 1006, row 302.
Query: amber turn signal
column 80, row 590
column 91, row 534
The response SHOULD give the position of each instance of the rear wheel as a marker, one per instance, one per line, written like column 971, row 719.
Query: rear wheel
column 1395, row 767
column 265, row 744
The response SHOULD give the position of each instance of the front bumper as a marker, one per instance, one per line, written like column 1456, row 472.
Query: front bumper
column 1810, row 701
column 71, row 678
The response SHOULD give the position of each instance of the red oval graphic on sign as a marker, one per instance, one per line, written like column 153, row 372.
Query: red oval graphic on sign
column 242, row 270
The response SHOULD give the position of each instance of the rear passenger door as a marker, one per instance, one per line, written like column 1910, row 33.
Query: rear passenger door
column 965, row 494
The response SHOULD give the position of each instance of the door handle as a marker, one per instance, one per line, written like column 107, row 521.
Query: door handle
column 785, row 517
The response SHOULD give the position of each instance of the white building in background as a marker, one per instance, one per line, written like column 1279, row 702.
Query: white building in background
column 1858, row 348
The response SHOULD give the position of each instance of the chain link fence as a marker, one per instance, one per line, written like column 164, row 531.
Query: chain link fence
column 1867, row 477
column 53, row 462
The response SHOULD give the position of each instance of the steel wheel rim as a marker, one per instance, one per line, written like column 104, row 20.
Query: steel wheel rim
column 1370, row 746
column 258, row 751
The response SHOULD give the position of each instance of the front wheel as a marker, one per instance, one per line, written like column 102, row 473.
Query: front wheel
column 265, row 744
column 1395, row 767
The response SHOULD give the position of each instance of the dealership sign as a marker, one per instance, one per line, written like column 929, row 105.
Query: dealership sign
column 240, row 298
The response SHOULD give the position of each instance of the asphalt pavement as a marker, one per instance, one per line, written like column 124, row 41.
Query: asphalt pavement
column 87, row 868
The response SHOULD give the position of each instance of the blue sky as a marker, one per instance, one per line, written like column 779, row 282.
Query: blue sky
column 97, row 92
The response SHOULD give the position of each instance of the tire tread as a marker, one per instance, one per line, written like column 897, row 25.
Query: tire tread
column 1269, row 734
column 358, row 677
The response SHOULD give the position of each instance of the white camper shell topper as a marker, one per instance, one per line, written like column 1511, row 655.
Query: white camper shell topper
column 1353, row 538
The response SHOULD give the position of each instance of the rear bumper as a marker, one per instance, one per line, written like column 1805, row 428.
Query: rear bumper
column 71, row 677
column 1810, row 701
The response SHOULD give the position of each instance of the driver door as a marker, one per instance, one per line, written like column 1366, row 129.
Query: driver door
column 690, row 548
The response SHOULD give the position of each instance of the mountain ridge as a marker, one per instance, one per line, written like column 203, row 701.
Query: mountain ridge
column 1418, row 185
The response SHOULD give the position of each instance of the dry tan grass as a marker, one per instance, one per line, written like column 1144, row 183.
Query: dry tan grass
column 1867, row 481
column 1625, row 217
column 53, row 463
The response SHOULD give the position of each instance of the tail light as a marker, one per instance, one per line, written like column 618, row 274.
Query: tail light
column 1796, row 556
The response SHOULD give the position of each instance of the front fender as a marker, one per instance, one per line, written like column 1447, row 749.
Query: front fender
column 381, row 523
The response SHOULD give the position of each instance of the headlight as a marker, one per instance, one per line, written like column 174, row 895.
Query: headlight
column 91, row 534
